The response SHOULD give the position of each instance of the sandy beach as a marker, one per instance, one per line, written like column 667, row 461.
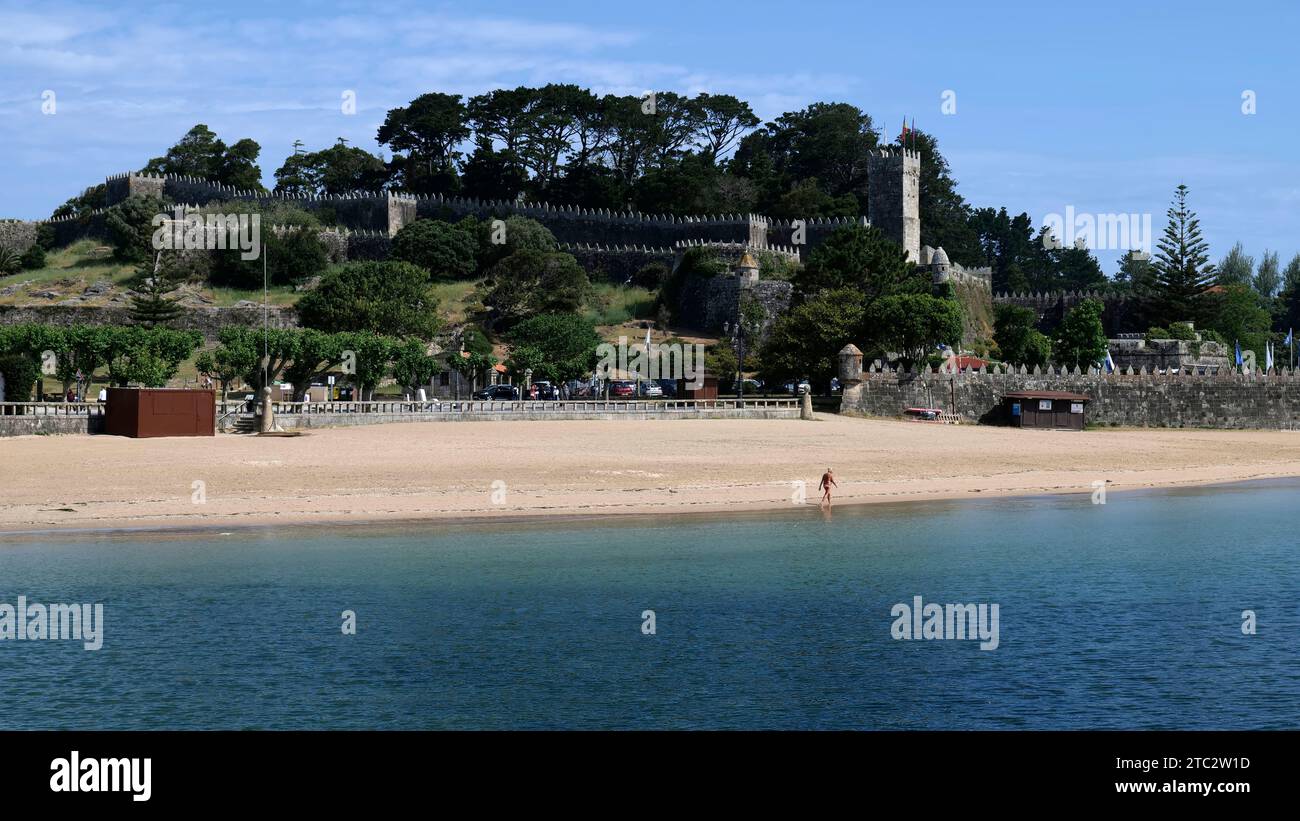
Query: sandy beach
column 449, row 471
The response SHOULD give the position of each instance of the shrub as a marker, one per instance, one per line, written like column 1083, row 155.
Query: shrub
column 34, row 258
column 20, row 373
column 442, row 249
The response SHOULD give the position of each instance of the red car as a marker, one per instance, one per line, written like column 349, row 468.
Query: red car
column 622, row 389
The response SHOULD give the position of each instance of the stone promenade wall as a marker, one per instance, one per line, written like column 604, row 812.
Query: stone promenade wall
column 1223, row 400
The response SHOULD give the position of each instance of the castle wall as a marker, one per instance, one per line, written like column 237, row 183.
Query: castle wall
column 17, row 235
column 616, row 265
column 707, row 302
column 1223, row 400
column 1118, row 313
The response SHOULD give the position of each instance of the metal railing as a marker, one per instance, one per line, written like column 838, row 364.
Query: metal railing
column 87, row 409
column 453, row 406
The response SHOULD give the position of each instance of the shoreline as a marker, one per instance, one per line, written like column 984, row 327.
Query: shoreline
column 523, row 473
column 609, row 518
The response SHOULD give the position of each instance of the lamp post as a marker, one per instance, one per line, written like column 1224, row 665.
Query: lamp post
column 738, row 337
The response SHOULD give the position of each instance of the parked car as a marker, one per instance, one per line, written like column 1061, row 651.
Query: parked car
column 651, row 390
column 501, row 392
column 798, row 388
column 622, row 389
column 751, row 386
column 668, row 386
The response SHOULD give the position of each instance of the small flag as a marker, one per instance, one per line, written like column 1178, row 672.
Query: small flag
column 1110, row 363
column 1289, row 337
column 914, row 132
column 1238, row 359
column 1268, row 357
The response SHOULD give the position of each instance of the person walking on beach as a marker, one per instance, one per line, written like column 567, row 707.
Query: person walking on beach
column 828, row 481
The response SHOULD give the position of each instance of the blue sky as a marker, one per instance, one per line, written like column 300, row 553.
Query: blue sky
column 1101, row 106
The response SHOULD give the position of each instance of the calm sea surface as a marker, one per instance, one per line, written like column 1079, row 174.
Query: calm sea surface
column 1123, row 615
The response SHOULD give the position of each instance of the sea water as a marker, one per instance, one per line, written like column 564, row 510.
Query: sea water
column 1163, row 609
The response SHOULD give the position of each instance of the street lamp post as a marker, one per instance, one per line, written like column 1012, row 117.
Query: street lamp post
column 738, row 337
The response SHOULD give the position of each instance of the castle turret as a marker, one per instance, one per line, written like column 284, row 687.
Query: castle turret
column 747, row 268
column 894, row 196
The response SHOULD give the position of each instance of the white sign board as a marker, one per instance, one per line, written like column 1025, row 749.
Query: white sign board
column 1044, row 404
column 1076, row 407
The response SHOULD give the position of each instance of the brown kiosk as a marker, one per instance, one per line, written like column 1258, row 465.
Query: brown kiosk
column 143, row 413
column 1045, row 409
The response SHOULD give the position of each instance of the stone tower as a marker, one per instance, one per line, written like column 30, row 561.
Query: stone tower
column 894, row 196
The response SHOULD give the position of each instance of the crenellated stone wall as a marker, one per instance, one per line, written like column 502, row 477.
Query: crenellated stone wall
column 1051, row 307
column 616, row 264
column 1180, row 400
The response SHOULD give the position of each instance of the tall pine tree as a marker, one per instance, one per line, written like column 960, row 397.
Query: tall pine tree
column 1182, row 264
column 150, row 307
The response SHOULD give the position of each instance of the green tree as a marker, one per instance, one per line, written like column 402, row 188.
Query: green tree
column 913, row 325
column 1237, row 314
column 1236, row 267
column 805, row 341
column 130, row 228
column 493, row 175
column 379, row 297
column 424, row 136
column 1182, row 265
column 509, row 236
column 528, row 283
column 150, row 306
column 372, row 354
column 1080, row 339
column 863, row 259
column 234, row 359
column 20, row 373
column 147, row 356
column 1019, row 341
column 557, row 347
column 33, row 259
column 722, row 120
column 335, row 171
column 200, row 153
column 287, row 257
column 413, row 368
column 1289, row 299
column 442, row 249
column 1268, row 279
